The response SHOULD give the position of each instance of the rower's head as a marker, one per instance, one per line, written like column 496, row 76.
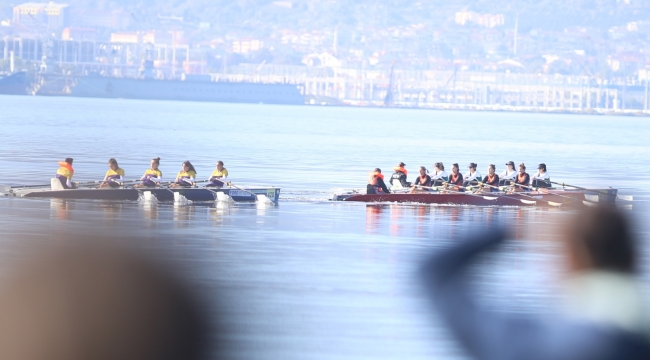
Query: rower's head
column 472, row 167
column 155, row 162
column 187, row 166
column 401, row 164
column 541, row 167
column 219, row 165
column 112, row 163
column 511, row 165
column 522, row 168
column 599, row 238
column 423, row 171
column 454, row 168
column 377, row 170
column 68, row 160
column 439, row 166
column 491, row 169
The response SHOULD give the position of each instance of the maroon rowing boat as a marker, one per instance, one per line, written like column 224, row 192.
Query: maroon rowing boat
column 552, row 198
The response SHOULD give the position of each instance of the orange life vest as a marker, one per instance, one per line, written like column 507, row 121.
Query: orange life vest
column 401, row 169
column 64, row 164
column 373, row 178
column 521, row 178
column 453, row 179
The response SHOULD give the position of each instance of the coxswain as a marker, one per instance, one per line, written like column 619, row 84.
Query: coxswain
column 186, row 177
column 398, row 179
column 508, row 175
column 376, row 184
column 439, row 176
column 455, row 179
column 472, row 177
column 64, row 174
column 152, row 176
column 218, row 175
column 522, row 181
column 114, row 176
column 423, row 180
column 492, row 179
column 542, row 179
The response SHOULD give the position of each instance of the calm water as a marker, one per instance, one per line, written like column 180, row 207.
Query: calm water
column 315, row 279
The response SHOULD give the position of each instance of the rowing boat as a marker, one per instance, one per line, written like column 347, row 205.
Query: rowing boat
column 563, row 197
column 160, row 194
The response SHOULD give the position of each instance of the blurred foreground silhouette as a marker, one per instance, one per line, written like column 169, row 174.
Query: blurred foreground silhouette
column 93, row 302
column 607, row 316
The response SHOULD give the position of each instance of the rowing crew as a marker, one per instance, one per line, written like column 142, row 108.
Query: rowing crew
column 517, row 180
column 114, row 177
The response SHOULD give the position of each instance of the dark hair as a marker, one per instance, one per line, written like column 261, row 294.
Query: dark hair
column 189, row 165
column 542, row 166
column 378, row 170
column 492, row 166
column 522, row 165
column 605, row 234
column 424, row 168
column 112, row 161
column 68, row 160
column 220, row 162
column 455, row 165
column 156, row 160
column 439, row 165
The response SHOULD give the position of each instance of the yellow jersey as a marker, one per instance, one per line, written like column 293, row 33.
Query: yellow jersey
column 152, row 173
column 65, row 172
column 222, row 173
column 114, row 174
column 186, row 174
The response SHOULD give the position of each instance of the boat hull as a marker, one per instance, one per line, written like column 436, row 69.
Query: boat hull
column 566, row 198
column 191, row 194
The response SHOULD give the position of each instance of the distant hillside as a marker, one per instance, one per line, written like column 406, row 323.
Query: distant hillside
column 256, row 15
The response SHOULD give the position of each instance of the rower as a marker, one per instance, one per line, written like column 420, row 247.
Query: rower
column 400, row 177
column 472, row 177
column 509, row 174
column 522, row 179
column 114, row 176
column 491, row 179
column 422, row 180
column 439, row 174
column 186, row 177
column 64, row 174
column 376, row 184
column 542, row 179
column 217, row 175
column 455, row 179
column 152, row 177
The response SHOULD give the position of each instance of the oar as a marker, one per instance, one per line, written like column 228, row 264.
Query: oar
column 556, row 194
column 621, row 197
column 491, row 198
column 534, row 199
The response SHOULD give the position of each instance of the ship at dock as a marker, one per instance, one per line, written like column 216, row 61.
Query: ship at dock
column 187, row 88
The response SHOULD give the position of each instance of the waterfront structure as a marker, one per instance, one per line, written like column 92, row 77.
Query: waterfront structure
column 50, row 15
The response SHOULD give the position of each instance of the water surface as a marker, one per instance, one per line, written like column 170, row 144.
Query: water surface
column 315, row 279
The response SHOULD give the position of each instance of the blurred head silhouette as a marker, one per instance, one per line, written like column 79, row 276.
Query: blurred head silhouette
column 87, row 302
column 600, row 239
